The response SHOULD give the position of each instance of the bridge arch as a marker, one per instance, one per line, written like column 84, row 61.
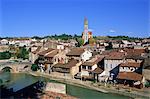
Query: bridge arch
column 7, row 69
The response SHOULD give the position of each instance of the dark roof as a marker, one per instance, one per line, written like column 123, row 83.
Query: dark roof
column 75, row 52
column 70, row 64
column 45, row 51
column 130, row 64
column 130, row 76
column 93, row 61
column 98, row 70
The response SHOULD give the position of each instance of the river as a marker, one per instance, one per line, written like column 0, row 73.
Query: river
column 82, row 93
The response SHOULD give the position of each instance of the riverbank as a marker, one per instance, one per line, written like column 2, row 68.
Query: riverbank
column 95, row 86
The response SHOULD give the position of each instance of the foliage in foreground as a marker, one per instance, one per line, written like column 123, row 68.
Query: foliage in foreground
column 5, row 55
column 34, row 67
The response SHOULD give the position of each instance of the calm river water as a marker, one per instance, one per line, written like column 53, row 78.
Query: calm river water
column 82, row 93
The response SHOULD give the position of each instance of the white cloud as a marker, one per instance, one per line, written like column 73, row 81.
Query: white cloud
column 90, row 30
column 112, row 31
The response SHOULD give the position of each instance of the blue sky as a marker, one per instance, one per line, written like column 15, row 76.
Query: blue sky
column 49, row 17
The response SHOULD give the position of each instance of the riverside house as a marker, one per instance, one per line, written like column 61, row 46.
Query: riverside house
column 134, row 55
column 47, row 58
column 80, row 54
column 34, row 53
column 70, row 68
column 130, row 73
column 41, row 59
column 91, row 68
column 111, row 62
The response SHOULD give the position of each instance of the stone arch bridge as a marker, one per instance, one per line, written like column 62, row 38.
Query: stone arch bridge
column 16, row 66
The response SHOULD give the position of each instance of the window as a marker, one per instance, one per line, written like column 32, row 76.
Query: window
column 106, row 65
column 89, row 68
column 83, row 67
column 110, row 65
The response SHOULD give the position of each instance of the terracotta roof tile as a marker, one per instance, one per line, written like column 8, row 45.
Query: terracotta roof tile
column 130, row 76
column 130, row 64
column 93, row 61
column 75, row 52
column 45, row 51
column 115, row 55
column 98, row 70
column 70, row 64
column 52, row 53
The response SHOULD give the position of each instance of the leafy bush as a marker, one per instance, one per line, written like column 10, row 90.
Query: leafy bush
column 5, row 55
column 34, row 67
column 23, row 53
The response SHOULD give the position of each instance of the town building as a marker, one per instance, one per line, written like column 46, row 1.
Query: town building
column 70, row 68
column 80, row 54
column 94, row 65
column 130, row 73
column 111, row 62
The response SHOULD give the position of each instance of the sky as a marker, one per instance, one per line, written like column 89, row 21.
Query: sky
column 19, row 18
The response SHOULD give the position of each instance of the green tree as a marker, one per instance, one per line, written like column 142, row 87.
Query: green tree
column 91, row 41
column 5, row 55
column 80, row 42
column 110, row 46
column 23, row 53
column 34, row 67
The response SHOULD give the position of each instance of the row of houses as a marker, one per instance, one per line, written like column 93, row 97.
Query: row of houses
column 121, row 65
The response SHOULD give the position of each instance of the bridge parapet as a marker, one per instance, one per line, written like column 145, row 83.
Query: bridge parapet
column 16, row 67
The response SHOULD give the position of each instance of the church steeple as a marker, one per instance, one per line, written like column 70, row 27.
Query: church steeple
column 85, row 23
column 86, row 35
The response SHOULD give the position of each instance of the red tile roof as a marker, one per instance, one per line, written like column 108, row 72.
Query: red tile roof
column 75, row 52
column 135, row 51
column 98, row 70
column 130, row 76
column 70, row 64
column 45, row 51
column 93, row 61
column 115, row 56
column 130, row 64
column 52, row 53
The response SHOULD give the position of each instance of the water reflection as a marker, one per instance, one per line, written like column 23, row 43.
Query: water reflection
column 19, row 80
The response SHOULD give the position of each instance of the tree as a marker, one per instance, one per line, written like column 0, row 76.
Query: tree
column 5, row 55
column 34, row 67
column 80, row 42
column 110, row 46
column 91, row 41
column 23, row 53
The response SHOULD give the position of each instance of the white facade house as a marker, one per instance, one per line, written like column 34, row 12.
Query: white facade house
column 60, row 46
column 129, row 66
column 22, row 43
column 111, row 63
column 86, row 55
column 126, row 43
column 85, row 69
column 80, row 54
column 4, row 41
column 92, row 66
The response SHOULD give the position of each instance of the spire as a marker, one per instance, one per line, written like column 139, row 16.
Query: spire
column 85, row 21
column 85, row 24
